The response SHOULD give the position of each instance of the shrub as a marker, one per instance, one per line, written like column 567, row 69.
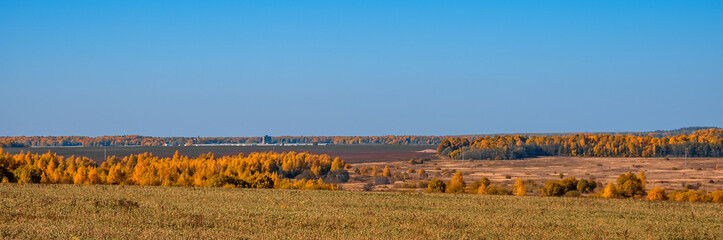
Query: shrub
column 609, row 191
column 657, row 194
column 687, row 196
column 507, row 176
column 379, row 180
column 573, row 193
column 337, row 176
column 717, row 196
column 436, row 185
column 368, row 187
column 411, row 170
column 222, row 180
column 28, row 174
column 569, row 184
column 386, row 172
column 456, row 185
column 418, row 161
column 6, row 174
column 519, row 187
column 642, row 177
column 263, row 181
column 586, row 186
column 496, row 190
column 552, row 188
column 482, row 182
column 629, row 186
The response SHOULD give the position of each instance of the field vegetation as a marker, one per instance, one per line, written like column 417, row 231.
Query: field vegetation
column 39, row 211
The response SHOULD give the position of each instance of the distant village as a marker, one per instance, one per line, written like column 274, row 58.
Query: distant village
column 265, row 141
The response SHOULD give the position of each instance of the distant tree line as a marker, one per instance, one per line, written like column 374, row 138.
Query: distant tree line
column 701, row 143
column 136, row 140
column 289, row 170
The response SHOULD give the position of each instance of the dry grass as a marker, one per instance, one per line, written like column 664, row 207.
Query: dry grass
column 131, row 212
column 669, row 174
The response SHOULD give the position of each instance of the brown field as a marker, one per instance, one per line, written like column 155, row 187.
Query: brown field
column 670, row 174
column 350, row 153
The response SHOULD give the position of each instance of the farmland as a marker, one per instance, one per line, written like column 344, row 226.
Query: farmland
column 350, row 153
column 128, row 212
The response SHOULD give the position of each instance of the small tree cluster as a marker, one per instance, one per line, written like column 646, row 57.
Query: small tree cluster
column 696, row 196
column 553, row 188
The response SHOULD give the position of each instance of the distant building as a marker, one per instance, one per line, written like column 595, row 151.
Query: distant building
column 266, row 140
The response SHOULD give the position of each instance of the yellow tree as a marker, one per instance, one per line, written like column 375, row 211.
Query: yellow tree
column 642, row 177
column 519, row 188
column 93, row 176
column 456, row 185
column 386, row 172
column 609, row 191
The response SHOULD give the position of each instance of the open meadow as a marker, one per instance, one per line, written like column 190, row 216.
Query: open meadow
column 41, row 211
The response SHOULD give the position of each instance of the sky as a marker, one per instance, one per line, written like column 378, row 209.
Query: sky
column 361, row 68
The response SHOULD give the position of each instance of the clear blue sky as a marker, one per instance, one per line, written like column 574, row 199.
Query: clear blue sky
column 249, row 68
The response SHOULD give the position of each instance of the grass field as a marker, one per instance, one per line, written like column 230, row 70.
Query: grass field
column 130, row 212
column 350, row 153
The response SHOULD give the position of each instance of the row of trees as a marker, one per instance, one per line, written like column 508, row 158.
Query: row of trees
column 701, row 143
column 256, row 170
column 135, row 140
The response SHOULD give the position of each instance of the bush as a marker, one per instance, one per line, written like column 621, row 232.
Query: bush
column 337, row 176
column 657, row 194
column 609, row 191
column 263, row 181
column 6, row 174
column 519, row 187
column 553, row 189
column 418, row 161
column 222, row 180
column 436, row 185
column 586, row 186
column 717, row 196
column 569, row 184
column 629, row 186
column 688, row 196
column 28, row 174
column 368, row 187
column 456, row 185
column 379, row 180
column 496, row 190
column 573, row 193
column 475, row 186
